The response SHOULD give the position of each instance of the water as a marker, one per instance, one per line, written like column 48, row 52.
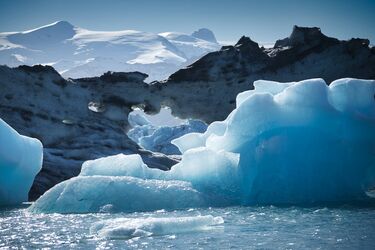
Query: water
column 244, row 227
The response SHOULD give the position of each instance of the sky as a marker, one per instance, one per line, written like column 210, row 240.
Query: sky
column 263, row 21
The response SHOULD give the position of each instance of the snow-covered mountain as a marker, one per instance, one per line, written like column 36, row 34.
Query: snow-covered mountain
column 76, row 52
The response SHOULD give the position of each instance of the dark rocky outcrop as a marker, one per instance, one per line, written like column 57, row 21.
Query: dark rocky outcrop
column 307, row 53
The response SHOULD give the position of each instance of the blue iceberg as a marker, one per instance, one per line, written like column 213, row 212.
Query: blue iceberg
column 299, row 143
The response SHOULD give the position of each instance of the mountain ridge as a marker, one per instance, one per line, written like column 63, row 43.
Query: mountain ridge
column 78, row 52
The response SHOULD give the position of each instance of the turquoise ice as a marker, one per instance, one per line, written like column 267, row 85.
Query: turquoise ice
column 301, row 143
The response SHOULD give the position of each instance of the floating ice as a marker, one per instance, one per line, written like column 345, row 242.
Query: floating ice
column 118, row 165
column 84, row 194
column 158, row 139
column 136, row 119
column 302, row 143
column 20, row 160
column 126, row 228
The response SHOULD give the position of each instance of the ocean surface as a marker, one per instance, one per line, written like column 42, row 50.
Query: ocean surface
column 234, row 228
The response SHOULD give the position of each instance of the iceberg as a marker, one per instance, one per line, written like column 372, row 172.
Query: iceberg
column 85, row 194
column 20, row 161
column 126, row 228
column 300, row 143
column 120, row 183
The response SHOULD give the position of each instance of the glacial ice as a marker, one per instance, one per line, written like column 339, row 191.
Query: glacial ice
column 20, row 161
column 98, row 193
column 126, row 228
column 159, row 138
column 302, row 143
column 121, row 165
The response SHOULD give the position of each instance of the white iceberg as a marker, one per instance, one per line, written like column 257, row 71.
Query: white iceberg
column 20, row 161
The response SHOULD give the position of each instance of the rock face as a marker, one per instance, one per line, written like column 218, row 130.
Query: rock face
column 86, row 118
column 217, row 77
column 76, row 120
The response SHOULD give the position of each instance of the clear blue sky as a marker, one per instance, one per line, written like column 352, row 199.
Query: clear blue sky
column 263, row 21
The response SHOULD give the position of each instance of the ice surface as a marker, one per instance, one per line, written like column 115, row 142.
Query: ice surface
column 302, row 143
column 126, row 228
column 136, row 119
column 195, row 140
column 159, row 138
column 98, row 193
column 20, row 161
column 120, row 165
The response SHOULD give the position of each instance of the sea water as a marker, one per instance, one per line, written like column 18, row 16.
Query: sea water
column 240, row 228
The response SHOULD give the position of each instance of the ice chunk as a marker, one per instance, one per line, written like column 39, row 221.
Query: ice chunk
column 195, row 140
column 126, row 228
column 20, row 161
column 347, row 95
column 117, row 165
column 158, row 139
column 85, row 194
column 136, row 119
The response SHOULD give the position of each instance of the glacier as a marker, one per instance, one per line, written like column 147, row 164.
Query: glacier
column 20, row 161
column 299, row 143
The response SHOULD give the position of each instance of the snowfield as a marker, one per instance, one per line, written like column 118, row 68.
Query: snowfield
column 76, row 52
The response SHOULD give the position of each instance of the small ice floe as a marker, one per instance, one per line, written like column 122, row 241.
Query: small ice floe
column 127, row 228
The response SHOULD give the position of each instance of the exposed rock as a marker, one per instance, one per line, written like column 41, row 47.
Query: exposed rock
column 218, row 77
